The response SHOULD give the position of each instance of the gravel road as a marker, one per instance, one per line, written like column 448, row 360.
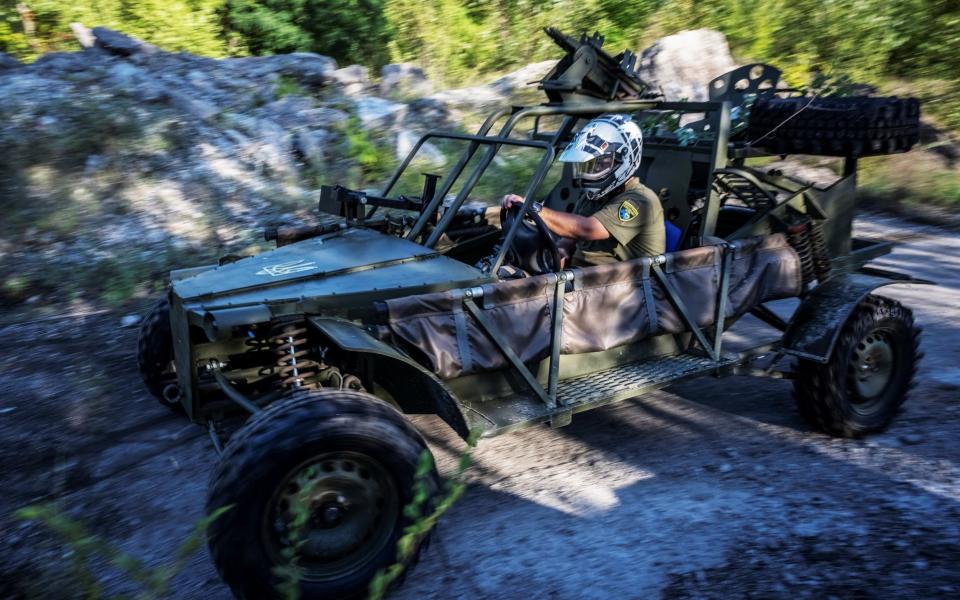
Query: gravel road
column 711, row 488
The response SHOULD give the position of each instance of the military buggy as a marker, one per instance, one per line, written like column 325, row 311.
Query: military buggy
column 302, row 361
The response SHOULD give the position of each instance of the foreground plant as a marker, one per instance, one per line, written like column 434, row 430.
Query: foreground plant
column 424, row 518
column 86, row 547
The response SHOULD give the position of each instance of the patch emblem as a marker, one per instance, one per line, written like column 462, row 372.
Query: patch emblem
column 289, row 268
column 628, row 211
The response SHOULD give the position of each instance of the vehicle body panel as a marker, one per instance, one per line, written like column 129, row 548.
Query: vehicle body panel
column 347, row 262
column 815, row 326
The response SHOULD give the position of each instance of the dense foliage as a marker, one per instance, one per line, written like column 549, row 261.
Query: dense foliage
column 351, row 31
column 29, row 28
column 458, row 40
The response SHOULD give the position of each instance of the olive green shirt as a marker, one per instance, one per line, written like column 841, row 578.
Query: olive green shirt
column 634, row 219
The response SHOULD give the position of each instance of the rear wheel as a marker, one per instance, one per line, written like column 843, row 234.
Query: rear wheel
column 869, row 373
column 323, row 477
column 155, row 356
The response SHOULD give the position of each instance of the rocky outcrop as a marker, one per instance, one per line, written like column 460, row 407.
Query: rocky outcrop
column 120, row 44
column 682, row 65
column 498, row 91
column 404, row 80
column 8, row 62
column 122, row 149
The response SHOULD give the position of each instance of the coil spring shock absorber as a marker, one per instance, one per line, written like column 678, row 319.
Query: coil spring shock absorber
column 798, row 236
column 294, row 368
column 821, row 256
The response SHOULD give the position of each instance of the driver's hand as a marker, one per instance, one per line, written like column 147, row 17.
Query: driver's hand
column 511, row 200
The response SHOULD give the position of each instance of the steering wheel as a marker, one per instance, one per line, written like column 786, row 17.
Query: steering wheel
column 534, row 248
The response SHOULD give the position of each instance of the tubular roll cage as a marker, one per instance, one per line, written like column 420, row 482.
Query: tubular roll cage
column 718, row 117
column 468, row 298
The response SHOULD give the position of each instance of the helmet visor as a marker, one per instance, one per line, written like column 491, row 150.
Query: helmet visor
column 595, row 168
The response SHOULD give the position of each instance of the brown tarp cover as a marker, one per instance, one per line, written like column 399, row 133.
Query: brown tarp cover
column 604, row 307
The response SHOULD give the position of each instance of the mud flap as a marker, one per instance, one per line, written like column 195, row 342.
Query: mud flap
column 351, row 337
column 815, row 326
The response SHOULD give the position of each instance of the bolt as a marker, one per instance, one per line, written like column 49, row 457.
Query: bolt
column 332, row 514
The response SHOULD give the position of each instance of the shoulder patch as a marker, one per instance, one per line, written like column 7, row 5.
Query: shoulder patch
column 628, row 211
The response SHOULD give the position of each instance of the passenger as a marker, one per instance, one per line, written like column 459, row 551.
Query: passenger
column 617, row 217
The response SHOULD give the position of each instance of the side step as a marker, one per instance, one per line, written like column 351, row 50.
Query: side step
column 578, row 394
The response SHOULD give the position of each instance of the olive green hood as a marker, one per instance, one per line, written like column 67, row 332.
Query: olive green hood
column 345, row 263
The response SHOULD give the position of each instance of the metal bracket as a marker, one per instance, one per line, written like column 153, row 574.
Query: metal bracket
column 722, row 294
column 560, row 284
column 215, row 438
column 491, row 331
column 674, row 298
column 769, row 317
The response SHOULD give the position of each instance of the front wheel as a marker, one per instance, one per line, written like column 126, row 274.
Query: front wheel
column 869, row 374
column 317, row 484
column 155, row 356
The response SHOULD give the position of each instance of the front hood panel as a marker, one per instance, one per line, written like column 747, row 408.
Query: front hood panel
column 350, row 261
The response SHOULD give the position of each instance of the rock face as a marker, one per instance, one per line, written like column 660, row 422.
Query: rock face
column 684, row 63
column 124, row 150
column 354, row 79
column 498, row 91
column 120, row 44
column 404, row 80
column 8, row 62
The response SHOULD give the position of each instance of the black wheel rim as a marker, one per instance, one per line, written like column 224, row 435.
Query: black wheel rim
column 332, row 514
column 871, row 369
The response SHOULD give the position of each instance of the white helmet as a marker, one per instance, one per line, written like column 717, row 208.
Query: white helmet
column 604, row 154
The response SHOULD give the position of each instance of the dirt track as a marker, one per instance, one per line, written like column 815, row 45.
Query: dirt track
column 712, row 488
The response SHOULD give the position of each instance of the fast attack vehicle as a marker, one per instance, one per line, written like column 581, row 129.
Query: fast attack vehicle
column 302, row 361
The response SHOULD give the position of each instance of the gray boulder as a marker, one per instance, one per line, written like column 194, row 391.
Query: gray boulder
column 286, row 111
column 57, row 63
column 429, row 113
column 195, row 107
column 405, row 142
column 504, row 89
column 306, row 67
column 378, row 112
column 404, row 79
column 311, row 146
column 8, row 62
column 353, row 79
column 135, row 82
column 117, row 43
column 323, row 116
column 124, row 75
column 309, row 68
column 684, row 63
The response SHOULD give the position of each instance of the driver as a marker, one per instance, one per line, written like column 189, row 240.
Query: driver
column 617, row 217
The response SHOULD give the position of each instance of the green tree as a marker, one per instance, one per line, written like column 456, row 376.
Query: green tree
column 350, row 31
column 29, row 28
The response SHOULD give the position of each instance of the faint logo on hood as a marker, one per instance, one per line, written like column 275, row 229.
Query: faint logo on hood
column 287, row 268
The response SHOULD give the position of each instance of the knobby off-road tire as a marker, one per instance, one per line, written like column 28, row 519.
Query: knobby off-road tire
column 155, row 354
column 349, row 459
column 843, row 126
column 869, row 374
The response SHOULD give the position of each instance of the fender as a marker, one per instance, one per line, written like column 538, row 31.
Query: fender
column 815, row 326
column 419, row 383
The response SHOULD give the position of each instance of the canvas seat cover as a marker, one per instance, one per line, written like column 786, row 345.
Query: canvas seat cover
column 605, row 306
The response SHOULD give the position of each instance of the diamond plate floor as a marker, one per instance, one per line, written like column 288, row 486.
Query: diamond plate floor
column 589, row 391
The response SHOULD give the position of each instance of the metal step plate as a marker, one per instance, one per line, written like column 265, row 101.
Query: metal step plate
column 624, row 381
column 590, row 391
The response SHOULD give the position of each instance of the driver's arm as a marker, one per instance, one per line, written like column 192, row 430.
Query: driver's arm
column 565, row 224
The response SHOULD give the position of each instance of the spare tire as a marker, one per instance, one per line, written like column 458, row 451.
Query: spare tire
column 835, row 126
